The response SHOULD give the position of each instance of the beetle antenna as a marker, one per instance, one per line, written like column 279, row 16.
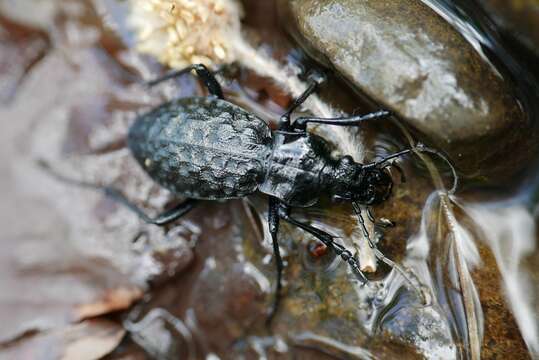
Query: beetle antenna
column 421, row 148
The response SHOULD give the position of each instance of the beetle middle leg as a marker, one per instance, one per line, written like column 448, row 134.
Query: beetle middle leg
column 328, row 240
column 202, row 72
column 273, row 224
column 279, row 211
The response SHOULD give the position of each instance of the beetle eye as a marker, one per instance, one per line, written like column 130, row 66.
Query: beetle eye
column 347, row 160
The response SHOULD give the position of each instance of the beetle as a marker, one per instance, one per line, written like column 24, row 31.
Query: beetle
column 206, row 148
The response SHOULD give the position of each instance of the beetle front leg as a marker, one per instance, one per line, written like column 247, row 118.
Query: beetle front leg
column 380, row 256
column 273, row 224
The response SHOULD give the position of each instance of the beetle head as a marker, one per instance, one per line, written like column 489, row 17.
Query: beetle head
column 367, row 185
column 372, row 186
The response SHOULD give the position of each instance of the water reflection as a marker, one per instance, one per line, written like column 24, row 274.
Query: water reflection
column 506, row 226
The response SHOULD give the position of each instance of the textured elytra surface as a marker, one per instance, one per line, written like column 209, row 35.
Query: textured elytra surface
column 202, row 148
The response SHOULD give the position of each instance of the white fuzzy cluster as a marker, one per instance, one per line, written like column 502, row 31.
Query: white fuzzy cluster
column 184, row 32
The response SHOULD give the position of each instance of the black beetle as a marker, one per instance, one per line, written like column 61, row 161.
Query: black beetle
column 205, row 148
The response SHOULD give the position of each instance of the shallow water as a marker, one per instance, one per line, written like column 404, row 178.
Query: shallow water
column 506, row 224
column 211, row 277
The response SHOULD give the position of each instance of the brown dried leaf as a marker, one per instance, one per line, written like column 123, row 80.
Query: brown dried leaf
column 55, row 294
column 112, row 300
column 91, row 339
column 52, row 272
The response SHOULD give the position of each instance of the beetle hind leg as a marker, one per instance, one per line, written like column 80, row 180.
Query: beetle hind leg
column 162, row 219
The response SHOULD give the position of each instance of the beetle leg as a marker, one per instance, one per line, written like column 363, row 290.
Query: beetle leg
column 166, row 217
column 202, row 72
column 357, row 210
column 315, row 80
column 301, row 122
column 273, row 224
column 327, row 240
column 162, row 219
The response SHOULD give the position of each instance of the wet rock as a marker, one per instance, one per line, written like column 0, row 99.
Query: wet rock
column 405, row 57
column 519, row 17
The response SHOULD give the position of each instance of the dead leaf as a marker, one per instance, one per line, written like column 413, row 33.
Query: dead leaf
column 110, row 301
column 89, row 340
column 52, row 270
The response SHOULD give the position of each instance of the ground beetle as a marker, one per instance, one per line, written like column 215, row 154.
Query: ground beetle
column 205, row 148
